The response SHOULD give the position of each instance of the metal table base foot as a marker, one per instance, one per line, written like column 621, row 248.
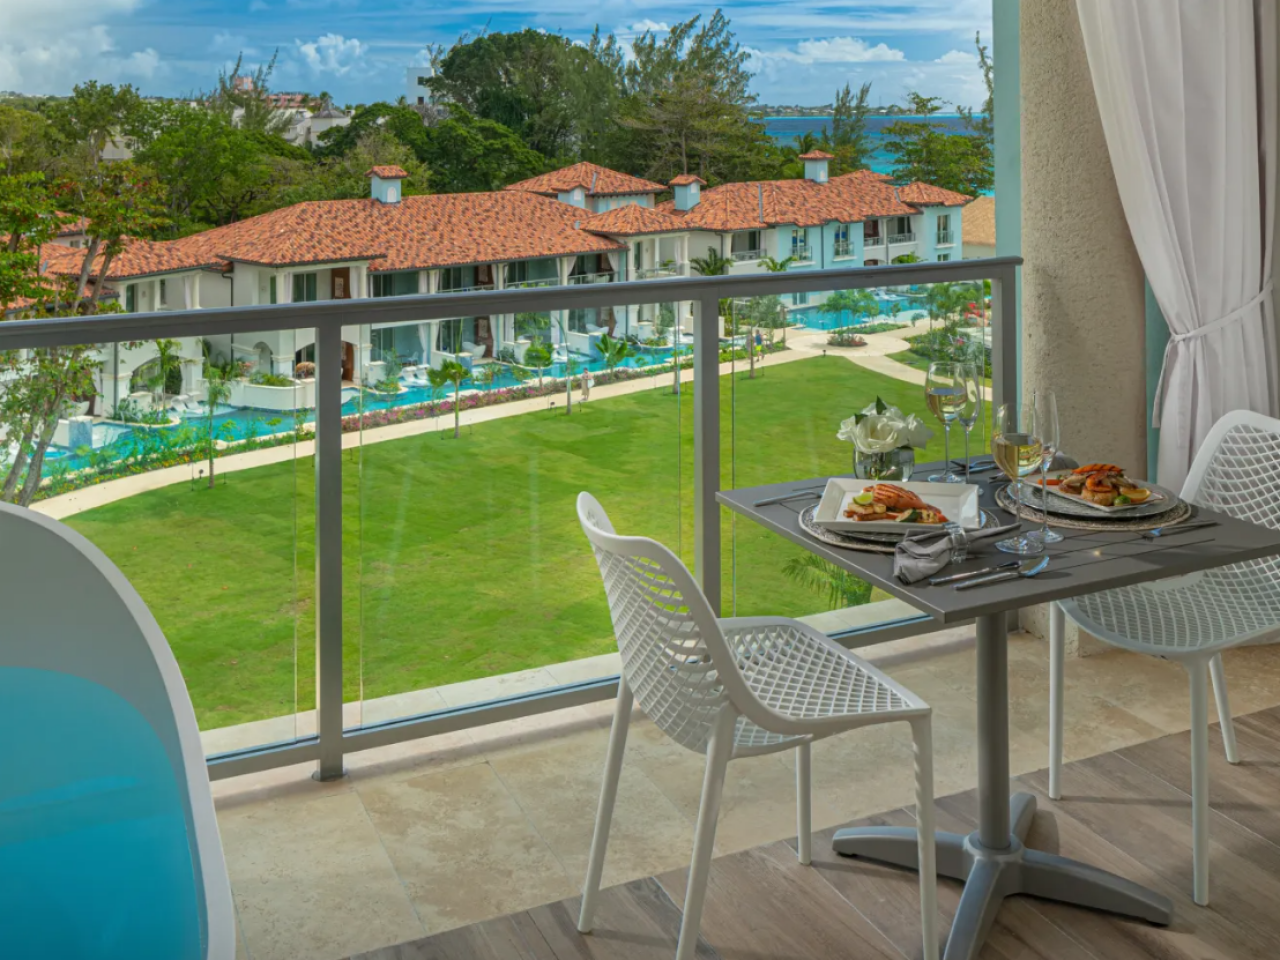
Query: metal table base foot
column 991, row 875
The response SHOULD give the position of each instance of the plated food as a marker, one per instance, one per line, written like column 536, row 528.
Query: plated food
column 889, row 502
column 1100, row 484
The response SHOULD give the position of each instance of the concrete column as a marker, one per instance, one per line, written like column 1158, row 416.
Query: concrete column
column 1082, row 283
column 284, row 287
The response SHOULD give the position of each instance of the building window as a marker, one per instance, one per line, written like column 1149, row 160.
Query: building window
column 944, row 257
column 745, row 245
column 450, row 280
column 304, row 288
column 800, row 299
column 944, row 222
column 131, row 298
column 164, row 294
column 400, row 284
column 272, row 290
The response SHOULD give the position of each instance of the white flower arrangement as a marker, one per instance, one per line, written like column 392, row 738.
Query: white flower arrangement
column 881, row 428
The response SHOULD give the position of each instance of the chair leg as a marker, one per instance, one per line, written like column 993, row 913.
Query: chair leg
column 804, row 805
column 922, row 741
column 604, row 813
column 1199, row 780
column 1057, row 665
column 718, row 752
column 1219, row 675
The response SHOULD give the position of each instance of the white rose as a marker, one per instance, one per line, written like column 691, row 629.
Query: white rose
column 915, row 432
column 847, row 428
column 877, row 435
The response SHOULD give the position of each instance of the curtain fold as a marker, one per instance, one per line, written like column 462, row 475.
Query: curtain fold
column 1187, row 96
column 615, row 260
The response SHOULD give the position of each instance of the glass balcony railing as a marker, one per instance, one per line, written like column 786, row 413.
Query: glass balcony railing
column 527, row 284
column 669, row 269
column 902, row 238
column 373, row 538
column 802, row 252
column 466, row 289
column 744, row 255
column 843, row 248
column 876, row 241
column 606, row 277
column 945, row 238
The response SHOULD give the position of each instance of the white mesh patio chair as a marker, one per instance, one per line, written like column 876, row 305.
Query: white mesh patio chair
column 1192, row 619
column 732, row 688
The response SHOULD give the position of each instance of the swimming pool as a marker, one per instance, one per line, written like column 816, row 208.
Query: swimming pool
column 814, row 318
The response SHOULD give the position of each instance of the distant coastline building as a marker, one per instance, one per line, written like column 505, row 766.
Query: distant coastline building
column 416, row 90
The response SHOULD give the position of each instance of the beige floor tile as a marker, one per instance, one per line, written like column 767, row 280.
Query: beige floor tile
column 413, row 758
column 463, row 847
column 1253, row 678
column 558, row 788
column 536, row 730
column 279, row 784
column 311, row 879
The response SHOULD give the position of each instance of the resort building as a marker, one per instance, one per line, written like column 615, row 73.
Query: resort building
column 980, row 228
column 581, row 224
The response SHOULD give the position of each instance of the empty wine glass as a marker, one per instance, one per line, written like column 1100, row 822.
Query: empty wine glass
column 971, row 413
column 1046, row 408
column 946, row 394
column 1015, row 445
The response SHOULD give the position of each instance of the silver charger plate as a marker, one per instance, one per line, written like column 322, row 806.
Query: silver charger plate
column 868, row 542
column 1035, row 498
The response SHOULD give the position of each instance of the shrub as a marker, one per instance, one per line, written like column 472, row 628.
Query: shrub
column 271, row 380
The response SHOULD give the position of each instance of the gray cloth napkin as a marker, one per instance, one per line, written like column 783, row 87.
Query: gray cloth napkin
column 915, row 559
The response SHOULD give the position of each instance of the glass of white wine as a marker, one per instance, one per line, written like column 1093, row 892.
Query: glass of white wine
column 971, row 413
column 1046, row 405
column 947, row 394
column 1015, row 444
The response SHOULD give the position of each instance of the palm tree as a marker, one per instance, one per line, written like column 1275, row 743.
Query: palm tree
column 538, row 356
column 217, row 389
column 841, row 589
column 774, row 265
column 451, row 373
column 614, row 351
column 712, row 265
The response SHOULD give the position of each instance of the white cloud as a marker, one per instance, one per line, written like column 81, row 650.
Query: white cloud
column 640, row 26
column 844, row 50
column 332, row 54
column 957, row 56
column 47, row 46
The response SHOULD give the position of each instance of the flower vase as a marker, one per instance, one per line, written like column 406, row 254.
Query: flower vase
column 891, row 465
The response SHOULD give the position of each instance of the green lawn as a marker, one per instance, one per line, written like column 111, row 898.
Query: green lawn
column 463, row 558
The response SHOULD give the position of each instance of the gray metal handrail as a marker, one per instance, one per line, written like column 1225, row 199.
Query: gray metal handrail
column 332, row 740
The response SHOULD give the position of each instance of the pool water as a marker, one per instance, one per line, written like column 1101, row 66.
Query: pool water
column 814, row 318
column 116, row 440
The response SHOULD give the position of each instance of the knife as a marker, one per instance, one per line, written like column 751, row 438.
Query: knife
column 1165, row 531
column 955, row 577
column 1026, row 569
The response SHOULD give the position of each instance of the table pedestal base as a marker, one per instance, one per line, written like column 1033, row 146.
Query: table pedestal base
column 990, row 875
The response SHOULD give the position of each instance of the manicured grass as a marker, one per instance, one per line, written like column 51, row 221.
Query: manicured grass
column 463, row 558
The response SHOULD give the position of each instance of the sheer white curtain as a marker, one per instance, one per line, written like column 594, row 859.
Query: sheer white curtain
column 1187, row 94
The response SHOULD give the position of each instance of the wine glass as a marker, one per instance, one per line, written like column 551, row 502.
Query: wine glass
column 1016, row 448
column 971, row 413
column 1046, row 407
column 944, row 391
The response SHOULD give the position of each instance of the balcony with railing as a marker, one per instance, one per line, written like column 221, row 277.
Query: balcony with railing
column 745, row 255
column 802, row 252
column 843, row 248
column 532, row 284
column 876, row 240
column 410, row 609
column 602, row 277
column 945, row 238
column 669, row 268
column 896, row 238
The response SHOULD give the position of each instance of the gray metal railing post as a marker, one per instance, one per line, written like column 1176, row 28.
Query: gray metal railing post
column 1004, row 338
column 328, row 602
column 706, row 445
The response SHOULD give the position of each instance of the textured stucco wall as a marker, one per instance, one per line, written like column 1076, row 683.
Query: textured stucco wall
column 1083, row 297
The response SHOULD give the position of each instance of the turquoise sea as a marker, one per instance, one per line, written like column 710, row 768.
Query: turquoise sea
column 787, row 129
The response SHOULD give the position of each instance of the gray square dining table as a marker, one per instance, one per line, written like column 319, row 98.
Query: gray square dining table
column 993, row 861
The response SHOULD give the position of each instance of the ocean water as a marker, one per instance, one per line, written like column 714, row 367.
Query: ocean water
column 788, row 129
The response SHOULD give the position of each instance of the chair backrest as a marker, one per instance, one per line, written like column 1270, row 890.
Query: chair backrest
column 667, row 633
column 108, row 843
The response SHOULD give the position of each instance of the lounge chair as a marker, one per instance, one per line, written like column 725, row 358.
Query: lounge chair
column 475, row 349
column 112, row 849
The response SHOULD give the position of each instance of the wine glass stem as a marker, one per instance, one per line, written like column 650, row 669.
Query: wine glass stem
column 946, row 449
column 966, row 454
column 1044, row 498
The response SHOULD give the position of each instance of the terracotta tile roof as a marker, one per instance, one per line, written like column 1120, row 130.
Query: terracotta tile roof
column 386, row 172
column 414, row 234
column 76, row 225
column 749, row 206
column 979, row 224
column 817, row 155
column 632, row 220
column 682, row 179
column 599, row 181
column 140, row 258
column 926, row 194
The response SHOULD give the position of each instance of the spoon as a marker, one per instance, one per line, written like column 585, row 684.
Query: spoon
column 1026, row 569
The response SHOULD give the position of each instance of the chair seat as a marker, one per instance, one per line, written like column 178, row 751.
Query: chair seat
column 1185, row 615
column 801, row 674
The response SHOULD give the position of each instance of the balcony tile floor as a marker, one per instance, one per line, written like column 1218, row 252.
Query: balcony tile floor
column 437, row 834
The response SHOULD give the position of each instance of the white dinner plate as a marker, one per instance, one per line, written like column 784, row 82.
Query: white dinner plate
column 957, row 501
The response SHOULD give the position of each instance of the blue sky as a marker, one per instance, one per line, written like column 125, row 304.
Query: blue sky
column 802, row 50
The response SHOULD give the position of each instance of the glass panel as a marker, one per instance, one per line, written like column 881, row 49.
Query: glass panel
column 783, row 409
column 474, row 580
column 180, row 461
